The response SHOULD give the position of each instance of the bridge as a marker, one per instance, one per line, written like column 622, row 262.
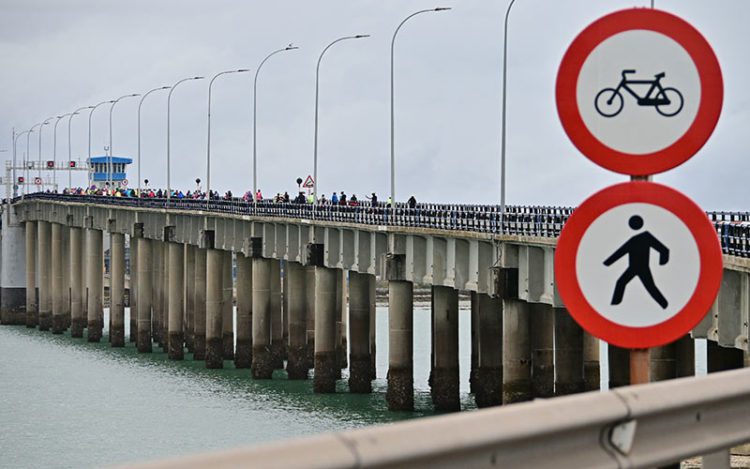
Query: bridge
column 524, row 343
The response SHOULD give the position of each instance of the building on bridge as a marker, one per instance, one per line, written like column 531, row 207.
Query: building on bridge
column 100, row 171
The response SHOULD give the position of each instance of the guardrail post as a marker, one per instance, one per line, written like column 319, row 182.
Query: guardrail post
column 296, row 366
column 541, row 328
column 243, row 355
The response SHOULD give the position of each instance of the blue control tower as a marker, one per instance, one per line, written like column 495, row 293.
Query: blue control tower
column 100, row 170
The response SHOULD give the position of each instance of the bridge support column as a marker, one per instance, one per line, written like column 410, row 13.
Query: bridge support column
column 360, row 372
column 156, row 302
column 373, row 325
column 685, row 350
column 488, row 387
column 12, row 281
column 568, row 354
column 117, row 290
column 277, row 320
column 243, row 355
column 296, row 365
column 474, row 363
column 516, row 352
column 214, row 319
column 341, row 320
column 133, row 294
column 542, row 327
column 164, row 336
column 591, row 374
column 32, row 305
column 78, row 320
column 199, row 293
column 445, row 381
column 145, row 267
column 188, row 296
column 94, row 279
column 310, row 315
column 65, row 257
column 326, row 366
column 663, row 362
column 263, row 365
column 176, row 335
column 723, row 358
column 400, row 393
column 619, row 366
column 44, row 267
column 227, row 306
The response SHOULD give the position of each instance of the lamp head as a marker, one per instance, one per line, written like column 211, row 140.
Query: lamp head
column 243, row 70
column 361, row 36
column 442, row 9
column 198, row 78
column 134, row 95
column 165, row 87
column 291, row 47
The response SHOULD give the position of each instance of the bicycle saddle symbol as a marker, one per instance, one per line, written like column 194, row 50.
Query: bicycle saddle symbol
column 667, row 101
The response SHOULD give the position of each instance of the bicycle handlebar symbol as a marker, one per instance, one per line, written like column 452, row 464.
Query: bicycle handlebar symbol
column 667, row 101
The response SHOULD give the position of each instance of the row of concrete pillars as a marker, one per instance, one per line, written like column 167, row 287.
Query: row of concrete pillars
column 181, row 298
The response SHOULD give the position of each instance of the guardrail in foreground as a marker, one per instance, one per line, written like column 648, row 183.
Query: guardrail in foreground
column 638, row 426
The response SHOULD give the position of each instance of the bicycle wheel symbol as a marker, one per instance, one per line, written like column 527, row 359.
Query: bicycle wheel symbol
column 609, row 102
column 673, row 105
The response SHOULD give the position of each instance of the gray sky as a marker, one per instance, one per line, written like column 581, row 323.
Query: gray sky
column 60, row 55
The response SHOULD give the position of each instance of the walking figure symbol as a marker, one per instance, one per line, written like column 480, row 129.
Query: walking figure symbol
column 638, row 249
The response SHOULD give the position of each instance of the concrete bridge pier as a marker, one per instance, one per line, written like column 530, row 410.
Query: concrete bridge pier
column 591, row 373
column 263, row 364
column 145, row 267
column 78, row 320
column 176, row 335
column 663, row 362
column 296, row 366
column 445, row 380
column 67, row 318
column 341, row 320
column 488, row 386
column 723, row 358
column 133, row 296
column 44, row 268
column 12, row 282
column 373, row 325
column 360, row 372
column 214, row 314
column 310, row 315
column 32, row 304
column 227, row 306
column 277, row 319
column 542, row 327
column 326, row 366
column 400, row 392
column 474, row 363
column 516, row 351
column 117, row 290
column 200, row 302
column 164, row 336
column 188, row 296
column 619, row 366
column 685, row 351
column 243, row 355
column 568, row 354
column 156, row 302
column 94, row 274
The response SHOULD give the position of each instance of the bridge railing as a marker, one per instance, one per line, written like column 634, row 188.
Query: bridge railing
column 732, row 228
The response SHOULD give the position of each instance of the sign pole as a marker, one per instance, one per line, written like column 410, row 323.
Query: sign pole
column 640, row 365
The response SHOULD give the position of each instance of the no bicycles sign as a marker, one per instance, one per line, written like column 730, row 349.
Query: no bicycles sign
column 639, row 91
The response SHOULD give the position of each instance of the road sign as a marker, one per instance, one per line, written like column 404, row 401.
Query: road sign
column 638, row 264
column 37, row 180
column 309, row 183
column 639, row 91
column 125, row 182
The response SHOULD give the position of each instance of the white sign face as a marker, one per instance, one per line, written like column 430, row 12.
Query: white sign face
column 638, row 92
column 638, row 277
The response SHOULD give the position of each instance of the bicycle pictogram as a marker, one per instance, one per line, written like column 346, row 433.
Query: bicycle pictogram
column 667, row 101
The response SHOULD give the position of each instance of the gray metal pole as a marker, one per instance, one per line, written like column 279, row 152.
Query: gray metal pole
column 169, row 102
column 70, row 151
column 140, row 104
column 255, row 115
column 54, row 149
column 109, row 160
column 93, row 108
column 317, row 96
column 502, row 137
column 39, row 170
column 15, row 141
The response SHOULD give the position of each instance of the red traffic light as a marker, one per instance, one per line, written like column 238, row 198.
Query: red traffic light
column 71, row 164
column 21, row 179
column 50, row 164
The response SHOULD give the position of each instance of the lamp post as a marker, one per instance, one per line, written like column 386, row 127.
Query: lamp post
column 15, row 141
column 317, row 99
column 393, row 112
column 255, row 115
column 91, row 113
column 169, row 103
column 140, row 104
column 46, row 122
column 502, row 135
column 27, row 161
column 109, row 160
column 208, row 146
column 70, row 150
column 54, row 149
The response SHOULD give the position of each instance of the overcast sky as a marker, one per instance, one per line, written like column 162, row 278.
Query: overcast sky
column 58, row 55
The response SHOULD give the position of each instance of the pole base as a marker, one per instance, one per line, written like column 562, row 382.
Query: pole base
column 45, row 320
column 58, row 324
column 360, row 375
column 243, row 356
column 326, row 372
column 262, row 367
column 277, row 350
column 32, row 318
column 445, row 393
column 296, row 365
column 214, row 353
column 77, row 326
column 176, row 349
column 144, row 341
column 488, row 387
column 95, row 330
column 199, row 347
column 400, row 393
column 228, row 346
column 117, row 336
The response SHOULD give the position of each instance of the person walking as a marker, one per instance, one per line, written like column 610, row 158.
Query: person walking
column 412, row 202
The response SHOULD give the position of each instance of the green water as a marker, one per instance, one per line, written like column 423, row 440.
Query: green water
column 67, row 403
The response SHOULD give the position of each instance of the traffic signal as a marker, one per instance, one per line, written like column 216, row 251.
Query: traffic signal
column 71, row 164
column 50, row 164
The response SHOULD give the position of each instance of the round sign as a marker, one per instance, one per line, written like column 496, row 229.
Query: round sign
column 639, row 91
column 125, row 182
column 638, row 264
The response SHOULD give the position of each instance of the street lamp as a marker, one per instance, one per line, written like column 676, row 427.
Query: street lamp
column 109, row 160
column 393, row 113
column 255, row 114
column 15, row 141
column 91, row 113
column 139, row 132
column 502, row 135
column 46, row 122
column 208, row 147
column 27, row 161
column 169, row 103
column 54, row 149
column 70, row 152
column 317, row 96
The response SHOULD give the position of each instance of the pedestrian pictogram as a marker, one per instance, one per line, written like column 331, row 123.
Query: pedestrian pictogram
column 639, row 91
column 309, row 183
column 638, row 264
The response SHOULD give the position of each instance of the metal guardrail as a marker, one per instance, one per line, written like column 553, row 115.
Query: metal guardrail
column 732, row 228
column 637, row 426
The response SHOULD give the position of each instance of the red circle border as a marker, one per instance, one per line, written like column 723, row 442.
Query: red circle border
column 709, row 110
column 710, row 272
